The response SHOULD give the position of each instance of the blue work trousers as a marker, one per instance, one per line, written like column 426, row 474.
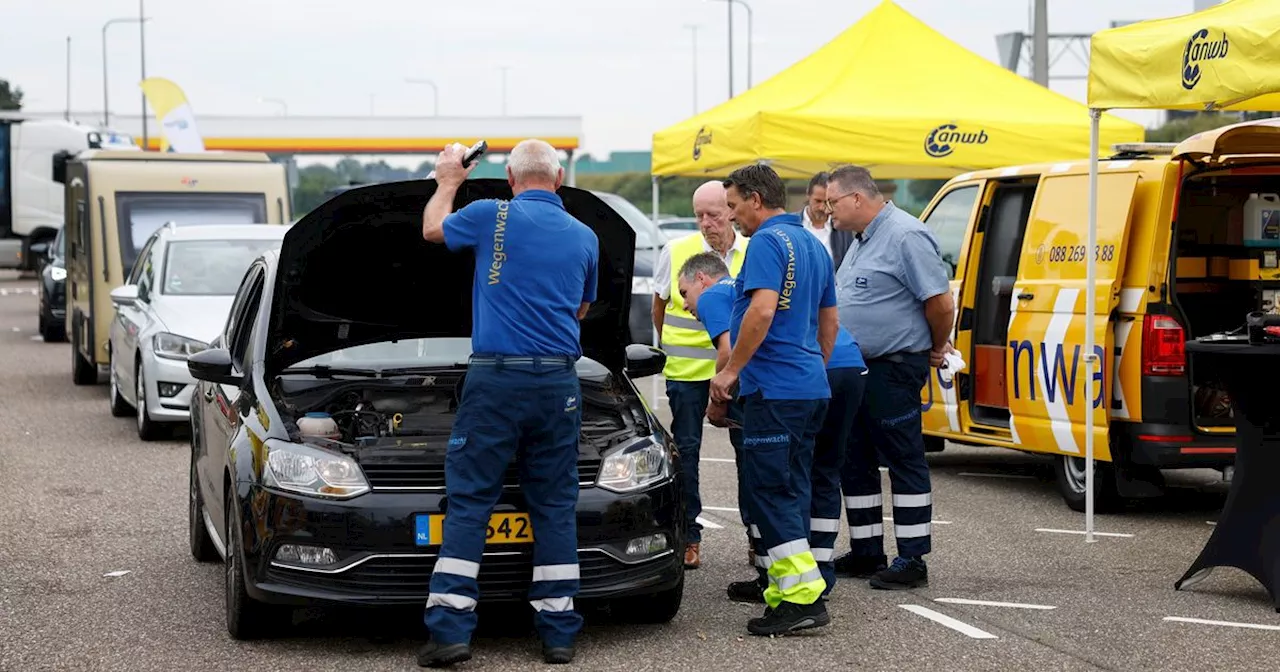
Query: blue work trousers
column 528, row 409
column 888, row 431
column 778, row 438
column 847, row 385
column 688, row 402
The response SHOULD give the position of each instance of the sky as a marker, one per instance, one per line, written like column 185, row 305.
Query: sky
column 625, row 67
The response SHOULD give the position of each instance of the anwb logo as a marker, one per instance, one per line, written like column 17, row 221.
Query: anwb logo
column 942, row 140
column 1199, row 49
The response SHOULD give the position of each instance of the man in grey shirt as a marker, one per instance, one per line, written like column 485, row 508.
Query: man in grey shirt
column 894, row 295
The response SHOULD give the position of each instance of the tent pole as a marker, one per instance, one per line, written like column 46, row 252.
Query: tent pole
column 1091, row 267
column 657, row 190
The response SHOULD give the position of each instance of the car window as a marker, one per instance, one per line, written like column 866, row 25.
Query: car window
column 244, row 321
column 135, row 273
column 147, row 275
column 949, row 220
column 390, row 354
column 646, row 231
column 242, row 295
column 210, row 267
column 60, row 244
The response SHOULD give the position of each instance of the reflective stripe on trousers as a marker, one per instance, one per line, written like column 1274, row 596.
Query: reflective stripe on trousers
column 888, row 431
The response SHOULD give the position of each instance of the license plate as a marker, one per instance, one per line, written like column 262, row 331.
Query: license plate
column 504, row 528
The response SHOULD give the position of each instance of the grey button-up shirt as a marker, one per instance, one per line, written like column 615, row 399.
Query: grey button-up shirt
column 890, row 271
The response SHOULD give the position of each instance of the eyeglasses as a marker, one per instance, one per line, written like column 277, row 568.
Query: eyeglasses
column 829, row 203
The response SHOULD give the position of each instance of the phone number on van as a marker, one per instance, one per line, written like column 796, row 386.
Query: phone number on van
column 1074, row 253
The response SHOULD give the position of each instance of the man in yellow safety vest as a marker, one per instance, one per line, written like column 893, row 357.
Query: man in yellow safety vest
column 691, row 359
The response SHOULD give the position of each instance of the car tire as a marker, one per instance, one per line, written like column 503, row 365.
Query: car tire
column 82, row 372
column 654, row 609
column 202, row 546
column 247, row 618
column 148, row 429
column 1070, row 473
column 934, row 444
column 119, row 407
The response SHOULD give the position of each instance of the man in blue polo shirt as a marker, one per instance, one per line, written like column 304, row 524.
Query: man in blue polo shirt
column 709, row 289
column 784, row 328
column 536, row 270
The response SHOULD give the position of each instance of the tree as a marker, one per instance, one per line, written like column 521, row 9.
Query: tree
column 1181, row 129
column 10, row 97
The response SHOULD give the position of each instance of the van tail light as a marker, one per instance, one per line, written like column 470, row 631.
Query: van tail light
column 1164, row 351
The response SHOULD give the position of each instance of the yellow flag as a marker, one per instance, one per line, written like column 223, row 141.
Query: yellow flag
column 174, row 113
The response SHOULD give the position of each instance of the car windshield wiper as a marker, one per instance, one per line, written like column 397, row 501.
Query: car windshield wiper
column 322, row 371
column 410, row 370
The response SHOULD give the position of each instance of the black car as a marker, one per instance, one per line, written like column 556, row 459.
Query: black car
column 53, row 292
column 358, row 318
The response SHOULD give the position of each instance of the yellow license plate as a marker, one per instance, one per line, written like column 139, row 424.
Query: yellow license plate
column 504, row 528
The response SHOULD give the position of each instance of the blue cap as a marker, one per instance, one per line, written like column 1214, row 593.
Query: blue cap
column 317, row 414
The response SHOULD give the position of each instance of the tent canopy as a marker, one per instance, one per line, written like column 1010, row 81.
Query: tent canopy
column 1224, row 57
column 893, row 95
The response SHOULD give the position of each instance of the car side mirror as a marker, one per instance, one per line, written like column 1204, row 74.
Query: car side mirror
column 214, row 366
column 60, row 166
column 644, row 361
column 125, row 295
column 40, row 249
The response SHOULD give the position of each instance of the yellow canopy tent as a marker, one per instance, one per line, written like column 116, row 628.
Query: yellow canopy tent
column 1224, row 57
column 894, row 95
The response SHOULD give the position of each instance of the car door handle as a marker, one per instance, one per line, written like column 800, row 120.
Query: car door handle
column 1026, row 296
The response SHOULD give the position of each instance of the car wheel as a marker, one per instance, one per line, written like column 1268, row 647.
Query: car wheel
column 202, row 547
column 148, row 429
column 934, row 444
column 119, row 407
column 654, row 609
column 1070, row 472
column 82, row 372
column 247, row 618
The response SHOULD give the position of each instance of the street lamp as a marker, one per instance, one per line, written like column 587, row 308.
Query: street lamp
column 435, row 93
column 284, row 107
column 106, row 115
column 694, row 30
column 747, row 7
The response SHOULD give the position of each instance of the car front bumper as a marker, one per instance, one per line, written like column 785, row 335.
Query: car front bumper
column 173, row 403
column 380, row 564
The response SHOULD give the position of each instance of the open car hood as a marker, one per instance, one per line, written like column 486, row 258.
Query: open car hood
column 356, row 270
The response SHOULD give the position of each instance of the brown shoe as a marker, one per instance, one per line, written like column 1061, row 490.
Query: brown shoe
column 692, row 556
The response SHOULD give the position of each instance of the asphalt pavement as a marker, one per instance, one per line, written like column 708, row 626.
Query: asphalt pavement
column 95, row 573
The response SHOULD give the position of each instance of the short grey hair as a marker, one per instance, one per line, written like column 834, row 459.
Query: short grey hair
column 855, row 178
column 535, row 160
column 704, row 262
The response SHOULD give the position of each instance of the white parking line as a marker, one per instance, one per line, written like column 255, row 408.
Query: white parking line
column 889, row 519
column 1229, row 624
column 715, row 459
column 719, row 508
column 943, row 619
column 1096, row 534
column 709, row 525
column 986, row 475
column 1211, row 522
column 985, row 603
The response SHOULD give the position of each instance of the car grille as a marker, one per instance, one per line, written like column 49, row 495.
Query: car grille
column 403, row 475
column 502, row 577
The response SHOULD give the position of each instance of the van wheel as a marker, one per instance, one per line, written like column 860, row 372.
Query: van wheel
column 82, row 371
column 1070, row 472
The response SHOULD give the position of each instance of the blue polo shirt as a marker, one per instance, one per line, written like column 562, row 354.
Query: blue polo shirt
column 715, row 310
column 535, row 265
column 785, row 258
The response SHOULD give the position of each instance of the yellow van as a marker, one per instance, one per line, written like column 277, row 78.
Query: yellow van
column 1188, row 237
column 115, row 200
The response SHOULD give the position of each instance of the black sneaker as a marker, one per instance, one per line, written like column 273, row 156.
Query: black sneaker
column 904, row 574
column 433, row 654
column 790, row 617
column 747, row 591
column 557, row 655
column 860, row 566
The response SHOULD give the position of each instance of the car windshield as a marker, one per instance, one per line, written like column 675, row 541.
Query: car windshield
column 210, row 267
column 424, row 352
column 645, row 230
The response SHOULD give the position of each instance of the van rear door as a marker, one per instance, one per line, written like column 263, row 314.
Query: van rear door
column 1046, row 359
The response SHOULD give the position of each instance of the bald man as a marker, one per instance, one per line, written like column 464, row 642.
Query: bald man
column 691, row 358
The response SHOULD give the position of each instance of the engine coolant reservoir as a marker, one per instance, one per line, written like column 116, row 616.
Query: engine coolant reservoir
column 319, row 425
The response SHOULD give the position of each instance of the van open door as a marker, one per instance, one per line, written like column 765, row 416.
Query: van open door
column 1045, row 359
column 1261, row 137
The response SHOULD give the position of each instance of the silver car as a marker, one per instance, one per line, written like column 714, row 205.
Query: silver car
column 176, row 300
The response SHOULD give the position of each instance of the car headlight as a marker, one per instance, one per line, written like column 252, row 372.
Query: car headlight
column 312, row 471
column 641, row 285
column 58, row 274
column 174, row 346
column 633, row 467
